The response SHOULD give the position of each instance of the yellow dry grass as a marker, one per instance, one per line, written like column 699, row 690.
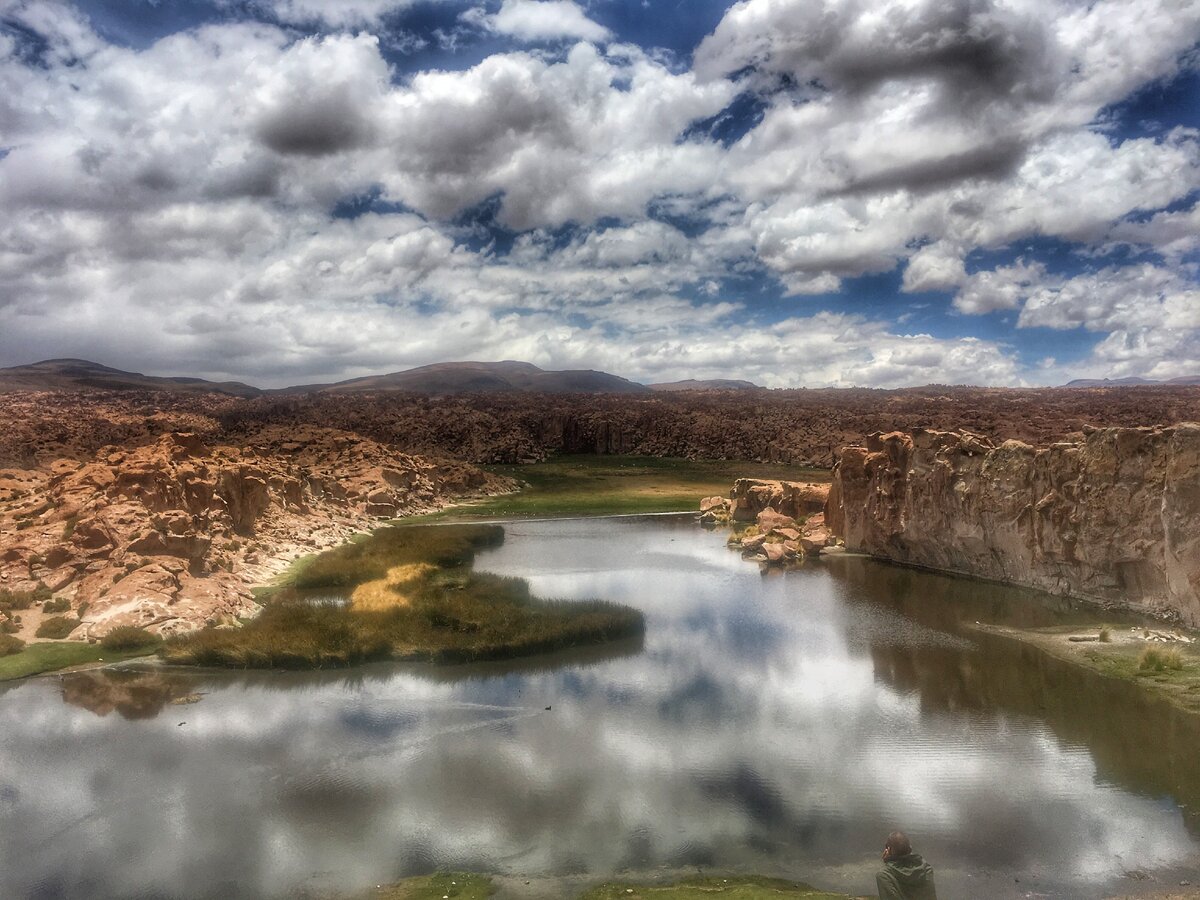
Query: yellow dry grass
column 388, row 592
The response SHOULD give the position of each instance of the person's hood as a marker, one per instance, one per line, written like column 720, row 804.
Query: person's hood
column 911, row 869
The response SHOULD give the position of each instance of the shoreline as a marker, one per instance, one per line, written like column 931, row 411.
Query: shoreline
column 1118, row 658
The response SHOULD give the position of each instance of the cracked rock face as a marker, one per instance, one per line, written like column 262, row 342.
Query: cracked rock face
column 1113, row 517
column 172, row 534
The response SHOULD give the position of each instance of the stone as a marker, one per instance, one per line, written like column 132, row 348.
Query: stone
column 769, row 520
column 753, row 542
column 815, row 540
column 775, row 551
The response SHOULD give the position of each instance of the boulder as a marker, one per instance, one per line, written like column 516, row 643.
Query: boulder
column 813, row 541
column 769, row 520
column 775, row 551
column 753, row 542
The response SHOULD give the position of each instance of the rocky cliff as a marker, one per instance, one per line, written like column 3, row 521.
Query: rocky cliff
column 171, row 534
column 1112, row 517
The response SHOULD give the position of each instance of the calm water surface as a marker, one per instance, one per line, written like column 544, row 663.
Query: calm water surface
column 779, row 724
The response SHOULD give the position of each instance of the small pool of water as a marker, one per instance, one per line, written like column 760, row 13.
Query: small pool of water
column 779, row 724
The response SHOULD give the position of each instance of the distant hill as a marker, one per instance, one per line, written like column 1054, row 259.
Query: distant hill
column 1126, row 382
column 82, row 374
column 482, row 377
column 711, row 384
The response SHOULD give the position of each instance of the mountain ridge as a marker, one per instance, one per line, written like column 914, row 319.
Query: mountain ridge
column 435, row 379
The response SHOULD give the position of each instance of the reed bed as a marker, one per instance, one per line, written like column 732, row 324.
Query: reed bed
column 417, row 599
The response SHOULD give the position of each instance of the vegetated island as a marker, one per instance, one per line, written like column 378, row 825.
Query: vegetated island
column 411, row 596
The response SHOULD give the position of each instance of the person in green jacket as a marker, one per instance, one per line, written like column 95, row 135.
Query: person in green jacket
column 905, row 875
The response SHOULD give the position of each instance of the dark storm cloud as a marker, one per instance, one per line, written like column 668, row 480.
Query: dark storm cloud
column 988, row 163
column 971, row 47
column 974, row 48
column 316, row 126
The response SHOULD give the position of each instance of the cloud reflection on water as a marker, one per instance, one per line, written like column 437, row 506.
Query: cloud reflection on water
column 777, row 724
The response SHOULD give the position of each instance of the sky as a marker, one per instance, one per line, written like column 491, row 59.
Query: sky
column 795, row 192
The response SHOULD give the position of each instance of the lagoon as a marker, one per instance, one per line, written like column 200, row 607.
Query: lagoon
column 780, row 724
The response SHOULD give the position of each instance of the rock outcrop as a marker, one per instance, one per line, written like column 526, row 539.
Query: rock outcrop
column 788, row 520
column 798, row 499
column 1113, row 517
column 171, row 535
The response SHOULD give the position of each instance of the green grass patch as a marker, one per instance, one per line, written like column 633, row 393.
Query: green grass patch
column 741, row 887
column 455, row 885
column 445, row 613
column 617, row 485
column 49, row 656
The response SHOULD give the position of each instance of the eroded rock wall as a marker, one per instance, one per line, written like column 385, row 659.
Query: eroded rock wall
column 172, row 534
column 1114, row 517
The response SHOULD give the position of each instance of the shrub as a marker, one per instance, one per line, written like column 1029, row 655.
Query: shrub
column 1105, row 635
column 8, row 626
column 23, row 599
column 60, row 605
column 129, row 637
column 10, row 645
column 57, row 627
column 69, row 527
column 1159, row 659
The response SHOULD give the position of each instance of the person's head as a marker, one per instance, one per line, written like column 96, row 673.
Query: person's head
column 897, row 845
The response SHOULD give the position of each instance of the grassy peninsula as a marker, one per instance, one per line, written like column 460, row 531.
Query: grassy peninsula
column 404, row 594
column 49, row 656
column 460, row 886
column 1169, row 669
column 702, row 887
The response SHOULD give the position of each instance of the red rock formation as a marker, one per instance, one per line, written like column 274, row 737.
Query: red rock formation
column 797, row 499
column 788, row 523
column 172, row 534
column 1113, row 517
